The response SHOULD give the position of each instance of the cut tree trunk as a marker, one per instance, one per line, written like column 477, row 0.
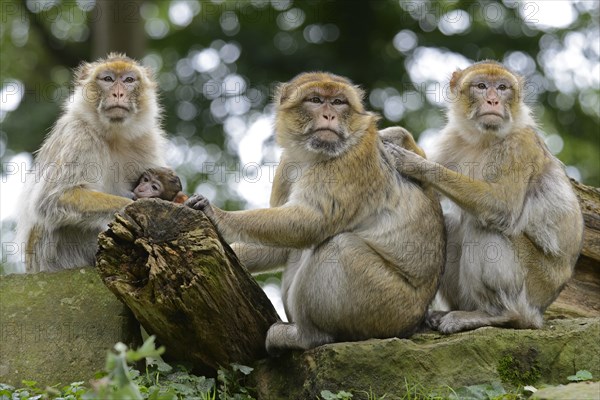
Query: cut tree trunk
column 185, row 285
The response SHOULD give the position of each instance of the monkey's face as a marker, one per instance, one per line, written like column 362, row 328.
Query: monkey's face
column 148, row 186
column 326, row 127
column 490, row 99
column 488, row 96
column 117, row 90
column 318, row 113
column 158, row 182
column 118, row 93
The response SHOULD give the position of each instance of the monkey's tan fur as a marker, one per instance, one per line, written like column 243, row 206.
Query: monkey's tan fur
column 363, row 246
column 108, row 135
column 514, row 224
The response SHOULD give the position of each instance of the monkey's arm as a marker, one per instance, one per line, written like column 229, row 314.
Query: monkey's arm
column 91, row 202
column 83, row 207
column 260, row 258
column 281, row 185
column 293, row 226
column 79, row 206
column 499, row 203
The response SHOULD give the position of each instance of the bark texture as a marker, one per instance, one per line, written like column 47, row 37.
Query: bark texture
column 167, row 263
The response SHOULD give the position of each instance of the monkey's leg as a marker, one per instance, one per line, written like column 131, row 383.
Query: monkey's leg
column 60, row 248
column 302, row 293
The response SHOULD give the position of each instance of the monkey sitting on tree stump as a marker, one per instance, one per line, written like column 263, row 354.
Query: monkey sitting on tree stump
column 168, row 265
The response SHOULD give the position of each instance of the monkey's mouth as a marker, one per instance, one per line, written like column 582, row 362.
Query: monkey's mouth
column 327, row 134
column 117, row 112
column 492, row 114
column 119, row 107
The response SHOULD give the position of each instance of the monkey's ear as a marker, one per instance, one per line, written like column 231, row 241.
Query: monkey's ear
column 83, row 72
column 356, row 97
column 454, row 81
column 281, row 93
column 359, row 92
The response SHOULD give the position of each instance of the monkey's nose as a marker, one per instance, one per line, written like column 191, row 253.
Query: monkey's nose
column 329, row 117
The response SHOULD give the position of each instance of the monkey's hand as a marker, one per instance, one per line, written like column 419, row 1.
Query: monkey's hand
column 408, row 162
column 201, row 203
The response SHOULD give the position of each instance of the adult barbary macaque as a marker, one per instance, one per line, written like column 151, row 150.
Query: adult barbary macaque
column 161, row 183
column 363, row 246
column 514, row 224
column 108, row 135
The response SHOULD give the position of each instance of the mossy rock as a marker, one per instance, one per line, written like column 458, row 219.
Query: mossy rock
column 57, row 327
column 433, row 361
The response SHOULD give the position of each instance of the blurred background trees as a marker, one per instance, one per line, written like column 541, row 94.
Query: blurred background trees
column 217, row 62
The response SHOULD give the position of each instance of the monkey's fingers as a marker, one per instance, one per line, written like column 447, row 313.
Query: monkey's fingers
column 197, row 202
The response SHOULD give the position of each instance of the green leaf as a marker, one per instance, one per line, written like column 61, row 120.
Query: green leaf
column 479, row 392
column 242, row 368
column 581, row 375
column 148, row 349
column 327, row 395
column 30, row 384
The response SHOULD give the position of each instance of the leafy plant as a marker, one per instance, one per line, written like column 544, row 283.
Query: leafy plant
column 159, row 382
column 119, row 381
column 327, row 395
column 580, row 376
column 230, row 383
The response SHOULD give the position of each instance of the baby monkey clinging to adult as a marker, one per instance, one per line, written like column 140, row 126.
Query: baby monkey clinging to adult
column 514, row 224
column 363, row 245
column 162, row 183
column 107, row 135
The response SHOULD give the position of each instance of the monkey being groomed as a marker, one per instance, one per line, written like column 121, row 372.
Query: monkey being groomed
column 363, row 246
column 514, row 224
column 107, row 136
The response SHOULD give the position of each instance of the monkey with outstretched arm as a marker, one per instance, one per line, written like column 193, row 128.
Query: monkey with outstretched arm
column 514, row 223
column 363, row 246
column 108, row 135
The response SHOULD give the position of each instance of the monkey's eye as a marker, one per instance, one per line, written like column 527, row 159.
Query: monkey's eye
column 129, row 79
column 155, row 188
column 316, row 100
column 502, row 87
column 481, row 86
column 338, row 102
column 107, row 79
column 145, row 179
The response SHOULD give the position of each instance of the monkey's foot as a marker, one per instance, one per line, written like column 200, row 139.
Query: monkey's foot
column 433, row 319
column 280, row 336
column 457, row 321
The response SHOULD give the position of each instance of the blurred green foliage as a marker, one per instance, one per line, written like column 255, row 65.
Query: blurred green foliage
column 217, row 63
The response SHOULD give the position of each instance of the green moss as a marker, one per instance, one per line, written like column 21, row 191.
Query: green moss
column 520, row 368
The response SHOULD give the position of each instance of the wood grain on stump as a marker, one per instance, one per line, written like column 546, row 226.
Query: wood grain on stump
column 167, row 263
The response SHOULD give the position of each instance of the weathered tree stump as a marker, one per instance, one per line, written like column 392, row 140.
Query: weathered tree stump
column 167, row 263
